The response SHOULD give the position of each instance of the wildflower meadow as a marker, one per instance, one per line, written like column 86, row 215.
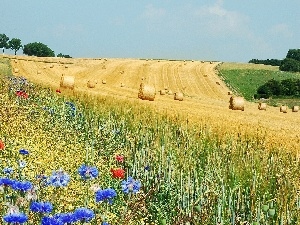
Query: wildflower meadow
column 80, row 159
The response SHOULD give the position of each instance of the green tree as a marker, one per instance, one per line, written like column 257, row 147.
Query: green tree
column 38, row 49
column 15, row 44
column 63, row 56
column 293, row 54
column 290, row 64
column 4, row 42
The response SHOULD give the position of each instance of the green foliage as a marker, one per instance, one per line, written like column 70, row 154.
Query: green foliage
column 63, row 56
column 289, row 64
column 15, row 44
column 292, row 61
column 288, row 87
column 4, row 41
column 38, row 49
column 271, row 62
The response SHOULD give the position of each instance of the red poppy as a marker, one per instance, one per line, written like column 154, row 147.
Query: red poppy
column 58, row 91
column 22, row 94
column 120, row 158
column 118, row 173
column 2, row 146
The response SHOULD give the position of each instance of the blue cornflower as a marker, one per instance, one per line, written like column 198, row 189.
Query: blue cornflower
column 51, row 221
column 106, row 194
column 65, row 217
column 21, row 185
column 72, row 105
column 6, row 181
column 88, row 172
column 8, row 170
column 41, row 207
column 15, row 218
column 147, row 168
column 59, row 179
column 84, row 214
column 131, row 185
column 23, row 151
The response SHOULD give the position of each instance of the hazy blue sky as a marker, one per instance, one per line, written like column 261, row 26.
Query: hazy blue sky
column 225, row 30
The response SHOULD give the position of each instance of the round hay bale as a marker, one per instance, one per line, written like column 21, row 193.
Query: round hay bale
column 66, row 66
column 170, row 92
column 236, row 103
column 103, row 81
column 67, row 82
column 229, row 92
column 146, row 92
column 122, row 85
column 205, row 75
column 16, row 61
column 91, row 84
column 217, row 82
column 52, row 66
column 262, row 106
column 16, row 70
column 283, row 108
column 45, row 67
column 295, row 108
column 178, row 96
column 162, row 92
column 39, row 72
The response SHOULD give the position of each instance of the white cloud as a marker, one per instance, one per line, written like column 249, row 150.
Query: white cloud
column 152, row 12
column 216, row 19
column 281, row 30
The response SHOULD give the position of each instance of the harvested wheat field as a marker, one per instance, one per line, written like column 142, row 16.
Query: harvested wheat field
column 206, row 98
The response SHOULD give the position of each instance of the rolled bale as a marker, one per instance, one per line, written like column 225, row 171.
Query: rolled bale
column 66, row 66
column 295, row 108
column 162, row 92
column 122, row 85
column 16, row 70
column 283, row 108
column 103, row 81
column 236, row 103
column 170, row 92
column 39, row 72
column 178, row 96
column 217, row 82
column 67, row 82
column 52, row 66
column 91, row 84
column 146, row 92
column 262, row 106
column 45, row 67
column 229, row 92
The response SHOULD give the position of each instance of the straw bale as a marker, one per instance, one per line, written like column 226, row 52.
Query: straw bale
column 45, row 67
column 146, row 92
column 39, row 72
column 67, row 82
column 170, row 92
column 122, row 85
column 16, row 70
column 262, row 106
column 229, row 92
column 236, row 103
column 217, row 82
column 162, row 92
column 52, row 65
column 91, row 84
column 283, row 108
column 178, row 96
column 103, row 81
column 295, row 108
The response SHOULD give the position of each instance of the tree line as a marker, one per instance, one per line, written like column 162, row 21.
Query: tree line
column 32, row 49
column 290, row 63
column 287, row 87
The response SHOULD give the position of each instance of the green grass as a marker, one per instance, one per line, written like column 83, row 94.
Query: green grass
column 244, row 79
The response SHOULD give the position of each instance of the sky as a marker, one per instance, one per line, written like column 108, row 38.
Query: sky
column 216, row 30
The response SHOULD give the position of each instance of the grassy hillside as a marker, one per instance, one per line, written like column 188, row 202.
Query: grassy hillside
column 246, row 78
column 188, row 174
